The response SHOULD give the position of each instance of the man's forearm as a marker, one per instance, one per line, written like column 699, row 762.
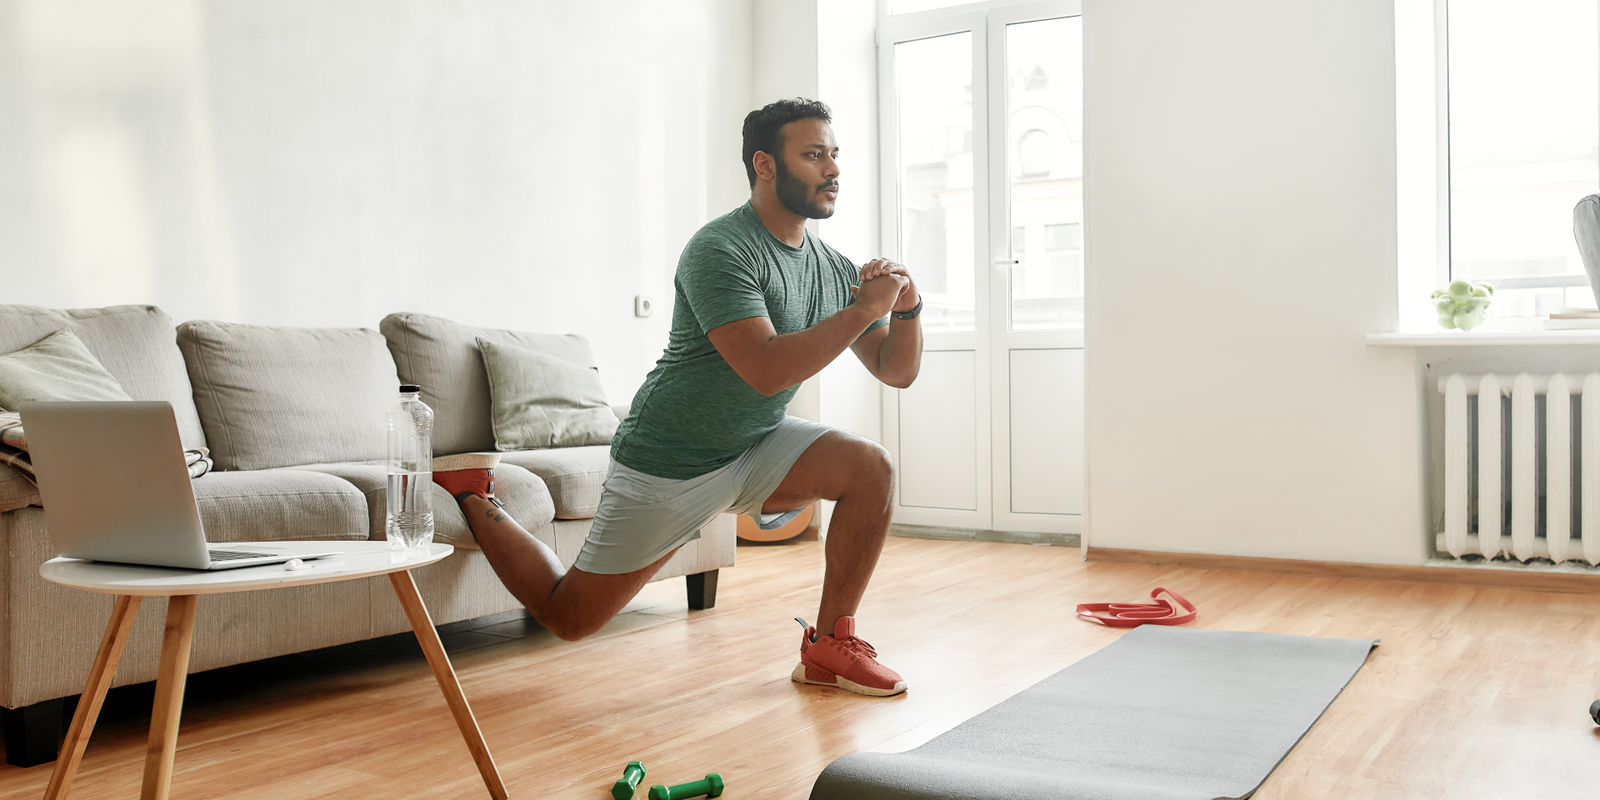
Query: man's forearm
column 900, row 357
column 790, row 358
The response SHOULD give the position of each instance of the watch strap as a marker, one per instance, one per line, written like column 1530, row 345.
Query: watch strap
column 912, row 314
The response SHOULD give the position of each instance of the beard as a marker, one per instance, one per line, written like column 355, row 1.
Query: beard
column 796, row 196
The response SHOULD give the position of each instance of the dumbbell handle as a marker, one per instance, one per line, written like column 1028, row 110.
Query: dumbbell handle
column 710, row 786
column 625, row 786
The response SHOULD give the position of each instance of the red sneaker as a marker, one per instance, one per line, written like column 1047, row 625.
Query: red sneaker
column 845, row 661
column 467, row 474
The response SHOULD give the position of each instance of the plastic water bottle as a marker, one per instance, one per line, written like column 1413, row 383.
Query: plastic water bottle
column 409, row 524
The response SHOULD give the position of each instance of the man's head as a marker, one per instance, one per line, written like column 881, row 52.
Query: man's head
column 790, row 143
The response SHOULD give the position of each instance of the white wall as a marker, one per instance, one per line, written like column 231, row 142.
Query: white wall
column 825, row 50
column 1240, row 165
column 785, row 66
column 847, row 80
column 531, row 165
column 785, row 50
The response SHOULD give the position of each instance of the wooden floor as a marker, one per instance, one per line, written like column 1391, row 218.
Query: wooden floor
column 1474, row 693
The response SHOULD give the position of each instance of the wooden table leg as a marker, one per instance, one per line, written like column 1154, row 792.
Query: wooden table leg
column 422, row 624
column 94, row 695
column 170, row 680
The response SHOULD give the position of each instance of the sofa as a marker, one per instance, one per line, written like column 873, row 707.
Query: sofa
column 293, row 419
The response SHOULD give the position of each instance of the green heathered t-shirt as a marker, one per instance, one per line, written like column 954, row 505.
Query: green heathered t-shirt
column 695, row 414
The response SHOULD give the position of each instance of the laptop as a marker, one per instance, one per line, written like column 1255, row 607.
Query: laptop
column 116, row 488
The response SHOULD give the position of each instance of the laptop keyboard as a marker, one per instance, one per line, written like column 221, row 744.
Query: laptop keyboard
column 235, row 555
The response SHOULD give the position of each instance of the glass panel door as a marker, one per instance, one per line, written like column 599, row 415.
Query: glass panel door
column 982, row 125
column 932, row 116
column 933, row 88
column 1044, row 144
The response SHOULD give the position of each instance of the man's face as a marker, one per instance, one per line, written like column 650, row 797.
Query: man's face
column 807, row 175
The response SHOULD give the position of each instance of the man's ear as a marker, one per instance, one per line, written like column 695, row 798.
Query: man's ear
column 766, row 168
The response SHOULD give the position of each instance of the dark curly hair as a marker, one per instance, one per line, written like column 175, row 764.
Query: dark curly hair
column 763, row 129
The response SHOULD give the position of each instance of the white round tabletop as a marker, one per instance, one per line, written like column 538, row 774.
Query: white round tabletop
column 355, row 560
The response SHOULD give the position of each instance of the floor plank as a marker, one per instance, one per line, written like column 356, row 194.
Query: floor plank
column 1474, row 692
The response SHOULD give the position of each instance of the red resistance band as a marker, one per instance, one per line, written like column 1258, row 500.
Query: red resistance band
column 1132, row 615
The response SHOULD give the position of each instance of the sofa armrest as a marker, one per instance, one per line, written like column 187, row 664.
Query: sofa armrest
column 621, row 411
column 16, row 489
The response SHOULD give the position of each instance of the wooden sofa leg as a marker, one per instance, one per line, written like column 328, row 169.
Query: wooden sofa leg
column 33, row 733
column 703, row 590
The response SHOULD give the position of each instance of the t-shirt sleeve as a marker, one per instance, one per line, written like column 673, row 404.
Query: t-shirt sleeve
column 720, row 285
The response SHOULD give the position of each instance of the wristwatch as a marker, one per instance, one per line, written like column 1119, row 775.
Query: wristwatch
column 912, row 314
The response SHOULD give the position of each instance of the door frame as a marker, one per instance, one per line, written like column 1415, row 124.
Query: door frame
column 1002, row 340
column 915, row 28
column 991, row 341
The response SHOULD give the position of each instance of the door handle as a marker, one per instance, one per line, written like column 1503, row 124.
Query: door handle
column 1000, row 264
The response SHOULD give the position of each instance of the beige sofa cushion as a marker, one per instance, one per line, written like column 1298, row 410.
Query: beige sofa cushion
column 442, row 357
column 277, row 397
column 539, row 401
column 57, row 367
column 279, row 505
column 526, row 498
column 574, row 475
column 136, row 344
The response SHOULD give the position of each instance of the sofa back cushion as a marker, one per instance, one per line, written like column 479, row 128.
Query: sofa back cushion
column 136, row 344
column 57, row 367
column 443, row 358
column 278, row 397
column 537, row 401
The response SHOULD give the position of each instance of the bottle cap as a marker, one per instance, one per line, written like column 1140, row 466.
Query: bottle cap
column 409, row 387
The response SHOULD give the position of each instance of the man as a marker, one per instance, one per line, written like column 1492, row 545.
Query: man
column 761, row 305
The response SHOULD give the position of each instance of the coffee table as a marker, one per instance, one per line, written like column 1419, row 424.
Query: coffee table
column 131, row 584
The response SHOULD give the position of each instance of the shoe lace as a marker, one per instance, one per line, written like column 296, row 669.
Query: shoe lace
column 851, row 644
column 858, row 646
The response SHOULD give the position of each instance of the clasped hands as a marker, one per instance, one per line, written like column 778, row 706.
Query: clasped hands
column 887, row 284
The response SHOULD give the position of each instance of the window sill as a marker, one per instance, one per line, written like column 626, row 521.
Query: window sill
column 1482, row 338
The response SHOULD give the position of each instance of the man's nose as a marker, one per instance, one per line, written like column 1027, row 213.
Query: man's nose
column 830, row 168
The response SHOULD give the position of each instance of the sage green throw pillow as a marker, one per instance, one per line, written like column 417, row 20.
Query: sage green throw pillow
column 538, row 401
column 57, row 367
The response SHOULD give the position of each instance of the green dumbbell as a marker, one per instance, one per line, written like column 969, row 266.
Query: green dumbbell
column 710, row 787
column 625, row 786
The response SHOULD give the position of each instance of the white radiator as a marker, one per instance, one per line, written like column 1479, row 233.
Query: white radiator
column 1549, row 487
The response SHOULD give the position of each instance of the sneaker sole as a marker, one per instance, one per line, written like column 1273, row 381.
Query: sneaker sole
column 838, row 682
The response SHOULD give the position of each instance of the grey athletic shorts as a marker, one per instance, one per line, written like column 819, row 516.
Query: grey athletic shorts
column 642, row 518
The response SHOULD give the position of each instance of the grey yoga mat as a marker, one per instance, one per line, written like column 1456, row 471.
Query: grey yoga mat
column 1161, row 714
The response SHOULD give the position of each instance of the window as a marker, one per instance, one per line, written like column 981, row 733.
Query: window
column 913, row 6
column 1034, row 155
column 994, row 88
column 1522, row 100
column 1065, row 258
column 934, row 106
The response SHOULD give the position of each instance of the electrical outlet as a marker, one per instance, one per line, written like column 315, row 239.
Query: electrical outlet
column 642, row 306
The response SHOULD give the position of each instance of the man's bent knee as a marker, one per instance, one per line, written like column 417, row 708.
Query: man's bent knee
column 568, row 630
column 571, row 622
column 877, row 460
column 875, row 467
column 583, row 602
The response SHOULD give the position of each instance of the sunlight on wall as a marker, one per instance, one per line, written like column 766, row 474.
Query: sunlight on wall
column 115, row 111
column 103, row 230
column 526, row 165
